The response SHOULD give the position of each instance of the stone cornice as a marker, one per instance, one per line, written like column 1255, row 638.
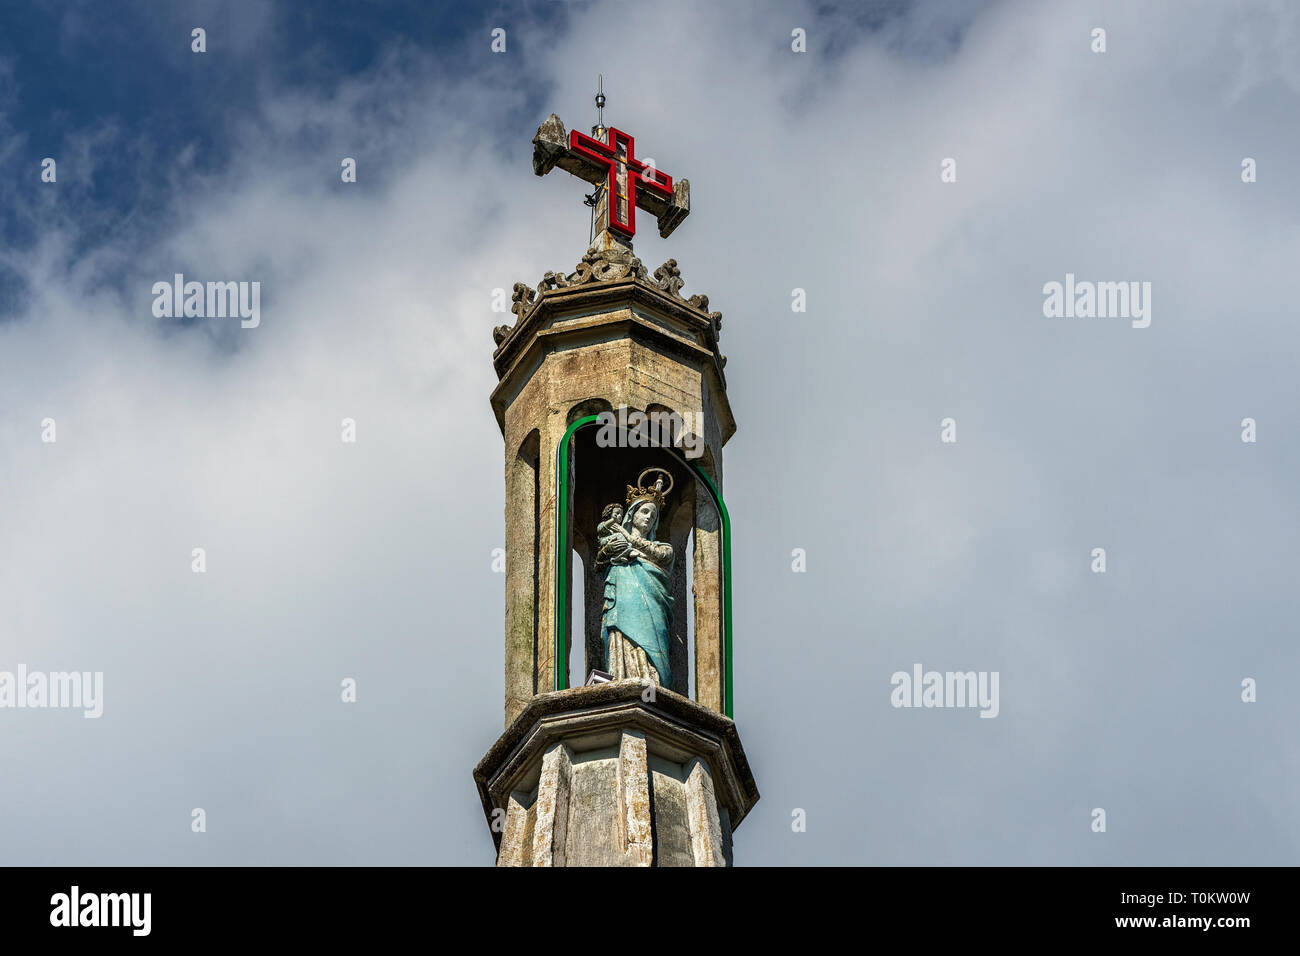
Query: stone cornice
column 607, row 273
column 676, row 726
column 627, row 307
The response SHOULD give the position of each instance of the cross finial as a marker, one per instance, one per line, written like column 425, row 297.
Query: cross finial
column 608, row 159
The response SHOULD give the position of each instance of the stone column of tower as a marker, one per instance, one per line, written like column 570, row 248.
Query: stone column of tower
column 624, row 772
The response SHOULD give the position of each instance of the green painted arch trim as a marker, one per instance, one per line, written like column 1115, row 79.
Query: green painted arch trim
column 563, row 547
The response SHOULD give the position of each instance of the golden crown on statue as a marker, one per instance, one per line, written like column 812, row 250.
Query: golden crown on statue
column 656, row 493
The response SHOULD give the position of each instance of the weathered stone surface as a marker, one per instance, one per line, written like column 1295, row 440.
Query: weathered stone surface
column 724, row 820
column 549, row 145
column 516, row 836
column 668, row 804
column 702, row 814
column 550, row 829
column 634, row 802
column 595, row 829
column 709, row 621
column 669, row 278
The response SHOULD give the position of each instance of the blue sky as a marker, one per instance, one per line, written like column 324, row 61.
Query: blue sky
column 127, row 79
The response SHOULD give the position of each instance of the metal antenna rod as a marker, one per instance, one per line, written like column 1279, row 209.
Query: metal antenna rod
column 598, row 131
column 600, row 102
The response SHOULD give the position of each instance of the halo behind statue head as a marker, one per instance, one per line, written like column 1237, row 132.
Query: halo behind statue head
column 658, row 493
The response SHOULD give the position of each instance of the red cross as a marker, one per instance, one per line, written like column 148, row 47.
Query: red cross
column 625, row 171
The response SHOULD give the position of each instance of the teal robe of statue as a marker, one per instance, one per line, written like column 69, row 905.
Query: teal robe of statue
column 639, row 603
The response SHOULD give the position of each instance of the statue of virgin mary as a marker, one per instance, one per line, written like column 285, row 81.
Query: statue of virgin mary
column 638, row 612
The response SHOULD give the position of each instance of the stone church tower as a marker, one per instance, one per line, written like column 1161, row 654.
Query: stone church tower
column 610, row 377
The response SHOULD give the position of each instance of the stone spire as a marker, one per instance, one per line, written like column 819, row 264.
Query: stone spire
column 636, row 768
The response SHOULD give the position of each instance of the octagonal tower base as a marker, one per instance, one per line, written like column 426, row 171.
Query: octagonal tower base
column 615, row 775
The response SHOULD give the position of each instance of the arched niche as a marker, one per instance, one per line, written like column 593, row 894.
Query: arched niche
column 599, row 474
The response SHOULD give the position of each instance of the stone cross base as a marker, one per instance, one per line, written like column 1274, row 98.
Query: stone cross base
column 606, row 776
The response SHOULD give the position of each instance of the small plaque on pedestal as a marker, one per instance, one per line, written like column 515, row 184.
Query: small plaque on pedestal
column 598, row 677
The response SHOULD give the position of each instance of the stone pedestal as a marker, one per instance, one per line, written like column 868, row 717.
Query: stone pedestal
column 616, row 774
